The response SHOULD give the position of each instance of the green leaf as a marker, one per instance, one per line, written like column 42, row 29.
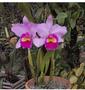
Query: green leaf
column 61, row 17
column 67, row 36
column 73, row 19
column 71, row 5
column 75, row 15
column 39, row 12
column 45, row 63
column 72, row 23
column 39, row 60
column 31, row 63
column 58, row 56
column 26, row 10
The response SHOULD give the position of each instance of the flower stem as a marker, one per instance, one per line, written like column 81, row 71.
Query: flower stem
column 52, row 70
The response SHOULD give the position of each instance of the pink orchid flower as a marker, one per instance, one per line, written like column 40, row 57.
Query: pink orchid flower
column 50, row 35
column 26, row 31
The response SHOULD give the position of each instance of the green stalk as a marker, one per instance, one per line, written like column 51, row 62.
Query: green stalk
column 39, row 66
column 7, row 33
column 52, row 70
column 41, row 78
column 31, row 63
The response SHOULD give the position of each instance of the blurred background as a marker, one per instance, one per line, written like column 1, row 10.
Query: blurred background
column 70, row 54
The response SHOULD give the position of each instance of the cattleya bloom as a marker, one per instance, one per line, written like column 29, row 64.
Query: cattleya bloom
column 49, row 35
column 26, row 31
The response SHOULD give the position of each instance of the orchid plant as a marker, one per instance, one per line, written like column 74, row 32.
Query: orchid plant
column 47, row 35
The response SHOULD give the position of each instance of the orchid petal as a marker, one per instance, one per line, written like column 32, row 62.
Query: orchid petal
column 60, row 39
column 18, row 45
column 33, row 30
column 49, row 21
column 25, row 19
column 59, row 30
column 19, row 29
column 38, row 42
column 42, row 30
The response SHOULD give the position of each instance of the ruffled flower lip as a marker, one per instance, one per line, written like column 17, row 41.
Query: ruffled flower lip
column 51, row 42
column 26, row 40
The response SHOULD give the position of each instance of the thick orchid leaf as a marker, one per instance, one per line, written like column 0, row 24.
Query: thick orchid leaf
column 31, row 63
column 61, row 17
column 46, row 60
column 39, row 60
column 47, row 65
column 72, row 23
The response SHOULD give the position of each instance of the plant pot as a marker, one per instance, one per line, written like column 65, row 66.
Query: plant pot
column 60, row 81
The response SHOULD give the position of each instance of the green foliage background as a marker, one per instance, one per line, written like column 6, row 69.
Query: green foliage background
column 69, row 14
